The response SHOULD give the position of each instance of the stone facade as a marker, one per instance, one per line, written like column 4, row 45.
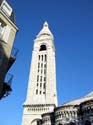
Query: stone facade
column 8, row 31
column 76, row 112
column 41, row 93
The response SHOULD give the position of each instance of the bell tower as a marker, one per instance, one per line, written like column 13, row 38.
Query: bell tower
column 41, row 93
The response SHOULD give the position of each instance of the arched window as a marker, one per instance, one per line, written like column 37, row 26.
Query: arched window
column 87, row 122
column 36, row 122
column 42, row 48
column 72, row 123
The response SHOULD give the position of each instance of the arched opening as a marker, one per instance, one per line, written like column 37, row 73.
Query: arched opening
column 43, row 48
column 72, row 123
column 36, row 122
column 87, row 122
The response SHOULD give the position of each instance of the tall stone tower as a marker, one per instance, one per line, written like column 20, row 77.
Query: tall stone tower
column 41, row 93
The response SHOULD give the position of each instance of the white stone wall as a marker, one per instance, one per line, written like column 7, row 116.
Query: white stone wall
column 48, row 100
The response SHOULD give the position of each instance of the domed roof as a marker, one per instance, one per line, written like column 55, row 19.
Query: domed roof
column 45, row 31
column 89, row 96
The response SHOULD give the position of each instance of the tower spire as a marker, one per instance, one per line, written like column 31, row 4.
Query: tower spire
column 41, row 97
column 45, row 24
column 45, row 31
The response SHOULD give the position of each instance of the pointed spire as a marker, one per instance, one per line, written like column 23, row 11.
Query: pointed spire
column 45, row 31
column 45, row 24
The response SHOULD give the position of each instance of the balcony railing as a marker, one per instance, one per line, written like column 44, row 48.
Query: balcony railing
column 14, row 52
column 8, row 79
column 12, row 57
column 7, row 86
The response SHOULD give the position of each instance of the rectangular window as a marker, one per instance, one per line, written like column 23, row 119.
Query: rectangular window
column 45, row 58
column 1, row 29
column 37, row 78
column 36, row 91
column 44, row 71
column 44, row 78
column 40, row 84
column 41, row 65
column 40, row 92
column 38, row 65
column 45, row 66
column 42, row 57
column 39, row 57
column 41, row 78
column 44, row 86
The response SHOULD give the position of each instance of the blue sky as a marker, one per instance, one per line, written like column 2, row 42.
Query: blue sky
column 71, row 22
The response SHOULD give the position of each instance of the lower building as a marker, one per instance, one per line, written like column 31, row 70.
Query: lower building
column 76, row 112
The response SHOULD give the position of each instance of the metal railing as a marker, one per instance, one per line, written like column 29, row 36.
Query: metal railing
column 14, row 52
column 8, row 79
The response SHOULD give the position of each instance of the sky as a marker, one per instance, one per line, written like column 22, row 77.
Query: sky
column 71, row 22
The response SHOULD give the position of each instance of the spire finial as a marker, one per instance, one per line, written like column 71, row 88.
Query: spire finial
column 45, row 24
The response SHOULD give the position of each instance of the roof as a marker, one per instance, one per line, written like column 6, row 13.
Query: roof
column 8, row 11
column 79, row 101
column 45, row 31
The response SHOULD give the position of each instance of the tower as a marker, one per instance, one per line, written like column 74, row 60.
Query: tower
column 8, row 31
column 41, row 93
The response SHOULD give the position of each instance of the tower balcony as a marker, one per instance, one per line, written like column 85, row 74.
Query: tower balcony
column 7, row 86
column 12, row 57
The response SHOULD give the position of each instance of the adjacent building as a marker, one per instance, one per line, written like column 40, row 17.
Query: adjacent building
column 40, row 107
column 8, row 54
column 76, row 112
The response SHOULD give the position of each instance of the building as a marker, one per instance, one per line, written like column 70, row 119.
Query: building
column 41, row 93
column 8, row 54
column 76, row 112
column 40, row 107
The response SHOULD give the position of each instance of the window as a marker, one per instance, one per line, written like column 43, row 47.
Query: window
column 40, row 84
column 87, row 122
column 44, row 71
column 1, row 29
column 38, row 65
column 39, row 57
column 42, row 47
column 45, row 58
column 44, row 86
column 40, row 92
column 37, row 78
column 44, row 78
column 41, row 79
column 45, row 65
column 41, row 65
column 42, row 57
column 72, row 123
column 36, row 91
